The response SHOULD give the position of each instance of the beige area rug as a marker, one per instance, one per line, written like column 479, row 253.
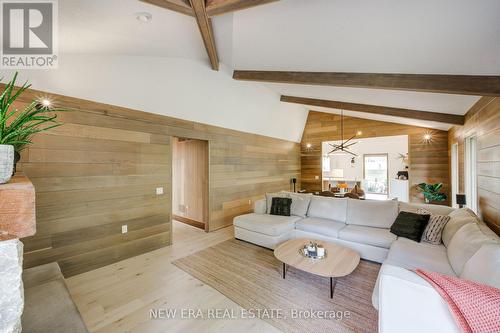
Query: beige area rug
column 251, row 276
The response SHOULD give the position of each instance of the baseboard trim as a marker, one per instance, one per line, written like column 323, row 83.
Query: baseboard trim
column 189, row 221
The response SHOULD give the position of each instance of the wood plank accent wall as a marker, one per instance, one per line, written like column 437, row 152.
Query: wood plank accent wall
column 482, row 121
column 428, row 160
column 100, row 171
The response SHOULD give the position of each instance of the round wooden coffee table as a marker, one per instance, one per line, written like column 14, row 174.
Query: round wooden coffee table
column 339, row 261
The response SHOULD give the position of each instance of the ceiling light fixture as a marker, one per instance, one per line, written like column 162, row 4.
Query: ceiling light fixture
column 144, row 17
column 342, row 148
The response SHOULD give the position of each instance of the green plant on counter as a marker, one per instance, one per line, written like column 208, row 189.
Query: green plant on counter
column 17, row 127
column 431, row 192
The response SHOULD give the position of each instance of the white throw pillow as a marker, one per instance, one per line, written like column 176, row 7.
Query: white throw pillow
column 464, row 244
column 433, row 231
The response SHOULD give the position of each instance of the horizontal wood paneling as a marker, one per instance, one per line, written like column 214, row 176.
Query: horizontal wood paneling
column 428, row 161
column 100, row 170
column 482, row 121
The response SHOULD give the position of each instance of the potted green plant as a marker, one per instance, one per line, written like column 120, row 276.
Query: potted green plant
column 431, row 192
column 18, row 127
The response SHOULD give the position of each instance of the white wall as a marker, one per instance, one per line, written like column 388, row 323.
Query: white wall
column 392, row 145
column 181, row 88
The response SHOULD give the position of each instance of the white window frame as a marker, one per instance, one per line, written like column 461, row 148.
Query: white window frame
column 471, row 172
column 326, row 163
column 454, row 174
column 386, row 156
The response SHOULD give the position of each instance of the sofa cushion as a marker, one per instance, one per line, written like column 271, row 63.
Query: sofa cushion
column 367, row 235
column 320, row 226
column 412, row 255
column 271, row 225
column 458, row 218
column 300, row 204
column 433, row 209
column 464, row 212
column 372, row 213
column 484, row 266
column 259, row 206
column 464, row 244
column 328, row 208
column 453, row 225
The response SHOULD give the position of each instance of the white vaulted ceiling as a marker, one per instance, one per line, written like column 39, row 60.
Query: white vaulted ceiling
column 109, row 27
column 384, row 36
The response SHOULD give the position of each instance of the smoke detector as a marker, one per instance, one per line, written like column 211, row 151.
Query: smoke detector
column 144, row 17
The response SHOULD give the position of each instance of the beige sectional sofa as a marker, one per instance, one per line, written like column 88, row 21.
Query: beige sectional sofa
column 360, row 224
column 406, row 302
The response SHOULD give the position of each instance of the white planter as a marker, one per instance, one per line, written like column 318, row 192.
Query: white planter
column 6, row 163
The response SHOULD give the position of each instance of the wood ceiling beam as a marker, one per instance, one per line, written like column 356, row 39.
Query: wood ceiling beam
column 179, row 6
column 476, row 85
column 218, row 7
column 205, row 26
column 377, row 109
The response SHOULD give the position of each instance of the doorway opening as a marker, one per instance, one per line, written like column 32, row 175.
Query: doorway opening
column 190, row 182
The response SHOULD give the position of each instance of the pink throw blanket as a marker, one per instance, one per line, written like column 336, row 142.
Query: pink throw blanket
column 475, row 306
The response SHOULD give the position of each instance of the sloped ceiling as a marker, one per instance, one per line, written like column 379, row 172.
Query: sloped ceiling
column 383, row 36
column 386, row 36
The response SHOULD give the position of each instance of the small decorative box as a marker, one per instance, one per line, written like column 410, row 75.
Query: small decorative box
column 313, row 250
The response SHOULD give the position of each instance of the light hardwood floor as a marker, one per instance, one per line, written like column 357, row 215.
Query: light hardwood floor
column 118, row 297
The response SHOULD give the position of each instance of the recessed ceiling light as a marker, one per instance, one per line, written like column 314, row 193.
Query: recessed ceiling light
column 144, row 17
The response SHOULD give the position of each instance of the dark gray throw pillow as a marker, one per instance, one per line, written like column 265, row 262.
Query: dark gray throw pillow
column 410, row 225
column 281, row 206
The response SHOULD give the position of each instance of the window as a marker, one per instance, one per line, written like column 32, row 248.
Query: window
column 326, row 164
column 454, row 173
column 471, row 173
column 376, row 173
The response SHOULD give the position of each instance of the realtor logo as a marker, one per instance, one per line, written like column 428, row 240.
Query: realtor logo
column 29, row 36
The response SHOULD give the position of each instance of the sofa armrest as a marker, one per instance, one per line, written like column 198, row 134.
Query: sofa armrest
column 260, row 206
column 408, row 303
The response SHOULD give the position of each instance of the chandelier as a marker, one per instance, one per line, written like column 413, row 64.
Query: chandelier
column 342, row 148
